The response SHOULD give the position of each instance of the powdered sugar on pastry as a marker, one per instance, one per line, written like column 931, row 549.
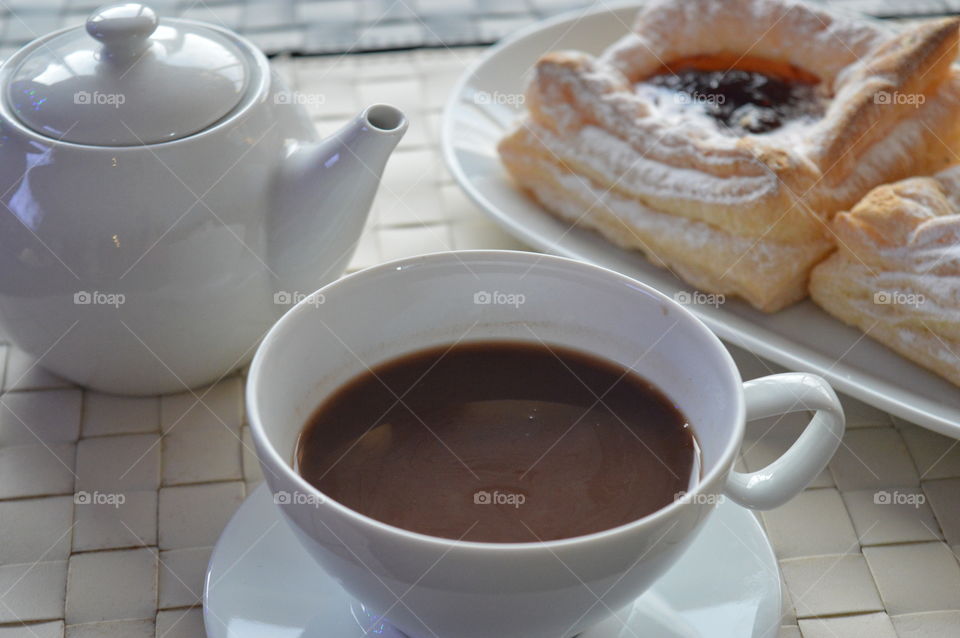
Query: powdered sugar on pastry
column 608, row 154
column 775, row 183
column 767, row 273
column 696, row 235
column 804, row 35
column 897, row 270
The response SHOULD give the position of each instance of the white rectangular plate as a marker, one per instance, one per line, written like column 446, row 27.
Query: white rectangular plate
column 803, row 337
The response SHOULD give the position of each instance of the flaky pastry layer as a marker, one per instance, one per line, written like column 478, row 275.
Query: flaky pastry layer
column 770, row 274
column 896, row 272
column 773, row 193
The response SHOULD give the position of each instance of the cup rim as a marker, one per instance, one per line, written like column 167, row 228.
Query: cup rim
column 264, row 446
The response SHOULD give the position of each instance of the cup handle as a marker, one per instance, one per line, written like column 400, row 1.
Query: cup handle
column 786, row 477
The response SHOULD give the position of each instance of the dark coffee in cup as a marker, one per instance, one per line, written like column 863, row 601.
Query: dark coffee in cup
column 499, row 442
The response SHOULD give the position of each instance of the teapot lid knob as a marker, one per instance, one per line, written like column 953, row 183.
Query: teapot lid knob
column 128, row 78
column 124, row 29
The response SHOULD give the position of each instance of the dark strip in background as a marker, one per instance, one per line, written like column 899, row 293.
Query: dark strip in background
column 326, row 27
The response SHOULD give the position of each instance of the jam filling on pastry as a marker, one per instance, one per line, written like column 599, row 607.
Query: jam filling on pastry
column 753, row 98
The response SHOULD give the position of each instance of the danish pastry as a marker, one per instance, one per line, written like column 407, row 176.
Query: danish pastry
column 719, row 138
column 896, row 273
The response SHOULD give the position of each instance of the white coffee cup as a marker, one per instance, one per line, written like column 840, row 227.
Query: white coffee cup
column 428, row 586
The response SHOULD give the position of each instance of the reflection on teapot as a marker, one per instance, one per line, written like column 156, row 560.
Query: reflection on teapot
column 165, row 199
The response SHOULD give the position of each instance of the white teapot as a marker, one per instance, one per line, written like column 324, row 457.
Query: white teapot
column 165, row 199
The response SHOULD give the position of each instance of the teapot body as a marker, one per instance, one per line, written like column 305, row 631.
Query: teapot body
column 147, row 269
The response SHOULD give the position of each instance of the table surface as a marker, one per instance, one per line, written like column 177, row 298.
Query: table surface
column 852, row 563
column 334, row 26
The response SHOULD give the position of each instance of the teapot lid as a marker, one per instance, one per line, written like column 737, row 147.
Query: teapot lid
column 128, row 80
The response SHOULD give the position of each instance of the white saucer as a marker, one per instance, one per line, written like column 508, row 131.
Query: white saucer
column 261, row 582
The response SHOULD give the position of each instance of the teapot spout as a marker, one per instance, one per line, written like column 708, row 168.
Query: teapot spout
column 322, row 198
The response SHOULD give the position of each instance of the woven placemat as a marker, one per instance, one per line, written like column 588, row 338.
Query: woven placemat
column 870, row 549
column 310, row 27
